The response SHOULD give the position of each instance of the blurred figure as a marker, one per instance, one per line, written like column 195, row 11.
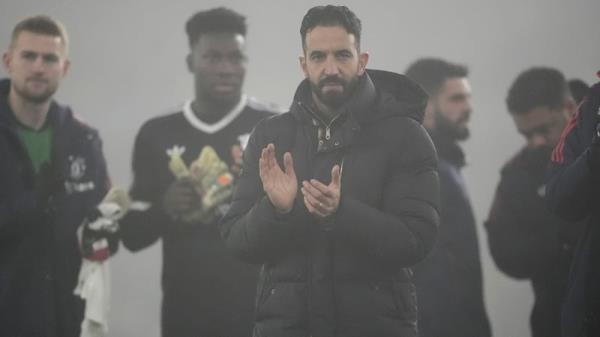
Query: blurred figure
column 525, row 239
column 449, row 280
column 206, row 292
column 573, row 195
column 52, row 174
column 338, row 197
column 578, row 89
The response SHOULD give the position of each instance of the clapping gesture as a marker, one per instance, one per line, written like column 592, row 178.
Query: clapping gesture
column 323, row 200
column 280, row 186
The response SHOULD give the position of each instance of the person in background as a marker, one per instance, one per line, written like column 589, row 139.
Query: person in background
column 572, row 194
column 526, row 240
column 178, row 197
column 52, row 176
column 449, row 280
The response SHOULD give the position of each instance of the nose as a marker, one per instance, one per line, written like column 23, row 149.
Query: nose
column 225, row 67
column 38, row 64
column 331, row 67
column 468, row 108
column 537, row 140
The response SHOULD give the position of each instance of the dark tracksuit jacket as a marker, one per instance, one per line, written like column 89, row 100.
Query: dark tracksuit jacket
column 573, row 194
column 39, row 250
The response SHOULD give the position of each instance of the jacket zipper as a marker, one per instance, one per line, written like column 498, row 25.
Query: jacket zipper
column 330, row 239
column 327, row 125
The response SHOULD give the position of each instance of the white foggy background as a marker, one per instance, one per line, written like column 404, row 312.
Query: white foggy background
column 128, row 66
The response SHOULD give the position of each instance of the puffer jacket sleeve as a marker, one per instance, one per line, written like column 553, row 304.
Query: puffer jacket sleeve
column 572, row 183
column 252, row 229
column 519, row 220
column 403, row 230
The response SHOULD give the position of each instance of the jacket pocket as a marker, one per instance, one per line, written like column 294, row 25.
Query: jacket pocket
column 282, row 302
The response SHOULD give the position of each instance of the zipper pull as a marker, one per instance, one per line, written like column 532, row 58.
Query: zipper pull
column 327, row 133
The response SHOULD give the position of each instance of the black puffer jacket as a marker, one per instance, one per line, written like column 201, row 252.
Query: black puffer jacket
column 39, row 250
column 350, row 277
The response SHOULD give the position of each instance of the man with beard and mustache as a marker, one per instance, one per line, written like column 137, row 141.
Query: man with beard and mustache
column 449, row 280
column 206, row 291
column 338, row 197
column 525, row 239
column 52, row 174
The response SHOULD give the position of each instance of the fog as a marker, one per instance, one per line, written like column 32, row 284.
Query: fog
column 128, row 65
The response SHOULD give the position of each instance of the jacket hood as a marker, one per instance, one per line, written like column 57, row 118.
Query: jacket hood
column 393, row 94
column 57, row 114
column 448, row 149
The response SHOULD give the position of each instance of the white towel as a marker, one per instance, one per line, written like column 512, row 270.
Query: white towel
column 94, row 276
column 94, row 288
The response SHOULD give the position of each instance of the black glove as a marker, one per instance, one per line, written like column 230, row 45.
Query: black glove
column 100, row 236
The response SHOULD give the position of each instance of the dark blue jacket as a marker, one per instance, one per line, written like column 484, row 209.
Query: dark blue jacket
column 573, row 194
column 39, row 251
column 449, row 280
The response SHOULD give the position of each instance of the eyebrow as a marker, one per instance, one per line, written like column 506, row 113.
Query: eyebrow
column 460, row 95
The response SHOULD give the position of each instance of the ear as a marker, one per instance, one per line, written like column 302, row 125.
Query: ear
column 6, row 59
column 363, row 59
column 302, row 60
column 189, row 62
column 66, row 67
column 428, row 117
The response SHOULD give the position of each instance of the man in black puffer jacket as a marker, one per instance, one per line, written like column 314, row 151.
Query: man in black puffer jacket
column 356, row 203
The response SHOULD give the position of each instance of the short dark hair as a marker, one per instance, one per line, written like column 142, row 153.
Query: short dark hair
column 44, row 25
column 431, row 73
column 578, row 89
column 216, row 20
column 330, row 16
column 537, row 87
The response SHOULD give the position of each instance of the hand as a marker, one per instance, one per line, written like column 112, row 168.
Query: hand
column 280, row 186
column 323, row 200
column 181, row 197
column 100, row 236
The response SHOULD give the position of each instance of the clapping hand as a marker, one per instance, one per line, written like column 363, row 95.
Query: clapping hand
column 280, row 185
